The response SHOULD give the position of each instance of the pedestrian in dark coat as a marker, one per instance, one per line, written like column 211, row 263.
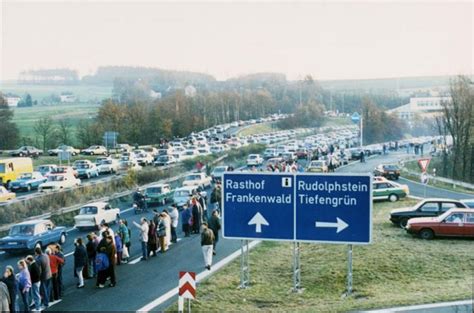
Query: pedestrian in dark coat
column 111, row 251
column 80, row 261
column 35, row 274
column 12, row 285
column 91, row 248
column 197, row 216
column 152, row 238
column 214, row 224
column 45, row 287
column 186, row 216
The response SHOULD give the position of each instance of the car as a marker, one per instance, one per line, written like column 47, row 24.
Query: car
column 26, row 151
column 452, row 223
column 388, row 190
column 144, row 158
column 87, row 169
column 429, row 207
column 164, row 160
column 182, row 195
column 95, row 150
column 302, row 153
column 270, row 153
column 126, row 164
column 159, row 193
column 64, row 148
column 123, row 147
column 26, row 236
column 254, row 160
column 93, row 214
column 59, row 180
column 198, row 180
column 389, row 171
column 317, row 166
column 6, row 195
column 468, row 202
column 217, row 149
column 108, row 165
column 46, row 169
column 12, row 168
column 289, row 156
column 28, row 181
column 218, row 172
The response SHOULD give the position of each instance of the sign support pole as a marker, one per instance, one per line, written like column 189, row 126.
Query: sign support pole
column 180, row 304
column 296, row 267
column 189, row 305
column 349, row 271
column 244, row 265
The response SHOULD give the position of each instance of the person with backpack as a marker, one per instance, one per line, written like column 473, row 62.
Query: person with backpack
column 101, row 265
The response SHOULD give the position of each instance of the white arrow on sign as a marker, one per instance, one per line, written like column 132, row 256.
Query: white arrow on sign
column 340, row 225
column 258, row 220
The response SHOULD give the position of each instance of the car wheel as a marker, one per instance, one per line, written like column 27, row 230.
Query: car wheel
column 38, row 245
column 20, row 154
column 393, row 197
column 403, row 222
column 62, row 239
column 426, row 234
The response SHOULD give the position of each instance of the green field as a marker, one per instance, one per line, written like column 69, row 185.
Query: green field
column 396, row 269
column 25, row 118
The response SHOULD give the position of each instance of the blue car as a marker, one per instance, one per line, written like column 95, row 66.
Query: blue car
column 26, row 236
column 27, row 182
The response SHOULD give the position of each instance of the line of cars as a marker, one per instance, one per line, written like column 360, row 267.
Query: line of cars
column 435, row 217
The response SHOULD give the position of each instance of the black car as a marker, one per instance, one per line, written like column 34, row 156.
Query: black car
column 26, row 151
column 424, row 208
column 389, row 171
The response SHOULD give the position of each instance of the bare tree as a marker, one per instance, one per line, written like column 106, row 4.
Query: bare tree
column 45, row 130
column 65, row 131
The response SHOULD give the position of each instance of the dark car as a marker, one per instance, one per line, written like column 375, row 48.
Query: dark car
column 26, row 236
column 26, row 151
column 425, row 208
column 389, row 171
column 453, row 223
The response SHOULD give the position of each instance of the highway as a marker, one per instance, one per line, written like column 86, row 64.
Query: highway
column 141, row 282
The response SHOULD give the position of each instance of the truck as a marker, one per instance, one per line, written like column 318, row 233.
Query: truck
column 12, row 168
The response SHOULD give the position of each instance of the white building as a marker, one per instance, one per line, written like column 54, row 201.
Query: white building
column 190, row 91
column 422, row 106
column 67, row 97
column 12, row 100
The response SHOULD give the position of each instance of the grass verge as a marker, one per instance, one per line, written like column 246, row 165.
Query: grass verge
column 396, row 269
column 261, row 128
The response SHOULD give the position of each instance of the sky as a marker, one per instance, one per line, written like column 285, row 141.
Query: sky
column 329, row 40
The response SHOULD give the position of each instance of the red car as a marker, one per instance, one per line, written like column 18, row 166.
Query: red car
column 452, row 223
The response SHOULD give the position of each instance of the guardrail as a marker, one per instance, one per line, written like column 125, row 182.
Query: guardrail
column 449, row 181
column 108, row 198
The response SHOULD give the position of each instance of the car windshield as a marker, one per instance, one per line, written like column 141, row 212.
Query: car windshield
column 106, row 162
column 26, row 176
column 83, row 165
column 193, row 177
column 153, row 190
column 391, row 167
column 22, row 230
column 317, row 164
column 88, row 210
column 181, row 193
column 252, row 157
column 56, row 178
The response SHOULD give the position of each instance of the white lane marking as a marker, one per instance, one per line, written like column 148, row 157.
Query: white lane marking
column 68, row 254
column 135, row 261
column 71, row 230
column 203, row 275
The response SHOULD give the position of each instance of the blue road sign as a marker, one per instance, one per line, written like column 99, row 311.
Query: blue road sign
column 355, row 117
column 258, row 206
column 333, row 208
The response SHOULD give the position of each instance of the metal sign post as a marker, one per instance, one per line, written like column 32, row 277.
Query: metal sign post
column 349, row 271
column 296, row 267
column 244, row 265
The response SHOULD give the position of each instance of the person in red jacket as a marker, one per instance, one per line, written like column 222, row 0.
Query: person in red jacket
column 54, row 262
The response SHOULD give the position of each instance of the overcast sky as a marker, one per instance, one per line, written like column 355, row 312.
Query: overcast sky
column 327, row 40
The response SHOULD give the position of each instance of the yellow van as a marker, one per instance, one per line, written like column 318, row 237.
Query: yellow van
column 11, row 168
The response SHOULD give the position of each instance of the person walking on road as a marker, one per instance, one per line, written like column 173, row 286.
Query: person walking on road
column 24, row 284
column 45, row 269
column 215, row 226
column 35, row 275
column 174, row 215
column 58, row 251
column 101, row 265
column 80, row 261
column 124, row 233
column 186, row 217
column 111, row 255
column 167, row 218
column 152, row 239
column 216, row 197
column 54, row 262
column 197, row 215
column 119, row 248
column 91, row 248
column 207, row 244
column 161, row 231
column 12, row 285
column 143, row 227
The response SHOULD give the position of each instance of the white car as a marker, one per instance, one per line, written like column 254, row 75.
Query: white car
column 144, row 158
column 65, row 148
column 183, row 194
column 95, row 150
column 59, row 180
column 93, row 214
column 270, row 153
column 165, row 160
column 197, row 180
column 218, row 172
column 217, row 149
column 108, row 166
column 254, row 160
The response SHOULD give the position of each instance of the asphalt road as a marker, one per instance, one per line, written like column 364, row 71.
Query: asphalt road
column 144, row 281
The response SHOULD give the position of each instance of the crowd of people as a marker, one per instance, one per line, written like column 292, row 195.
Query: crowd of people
column 37, row 280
